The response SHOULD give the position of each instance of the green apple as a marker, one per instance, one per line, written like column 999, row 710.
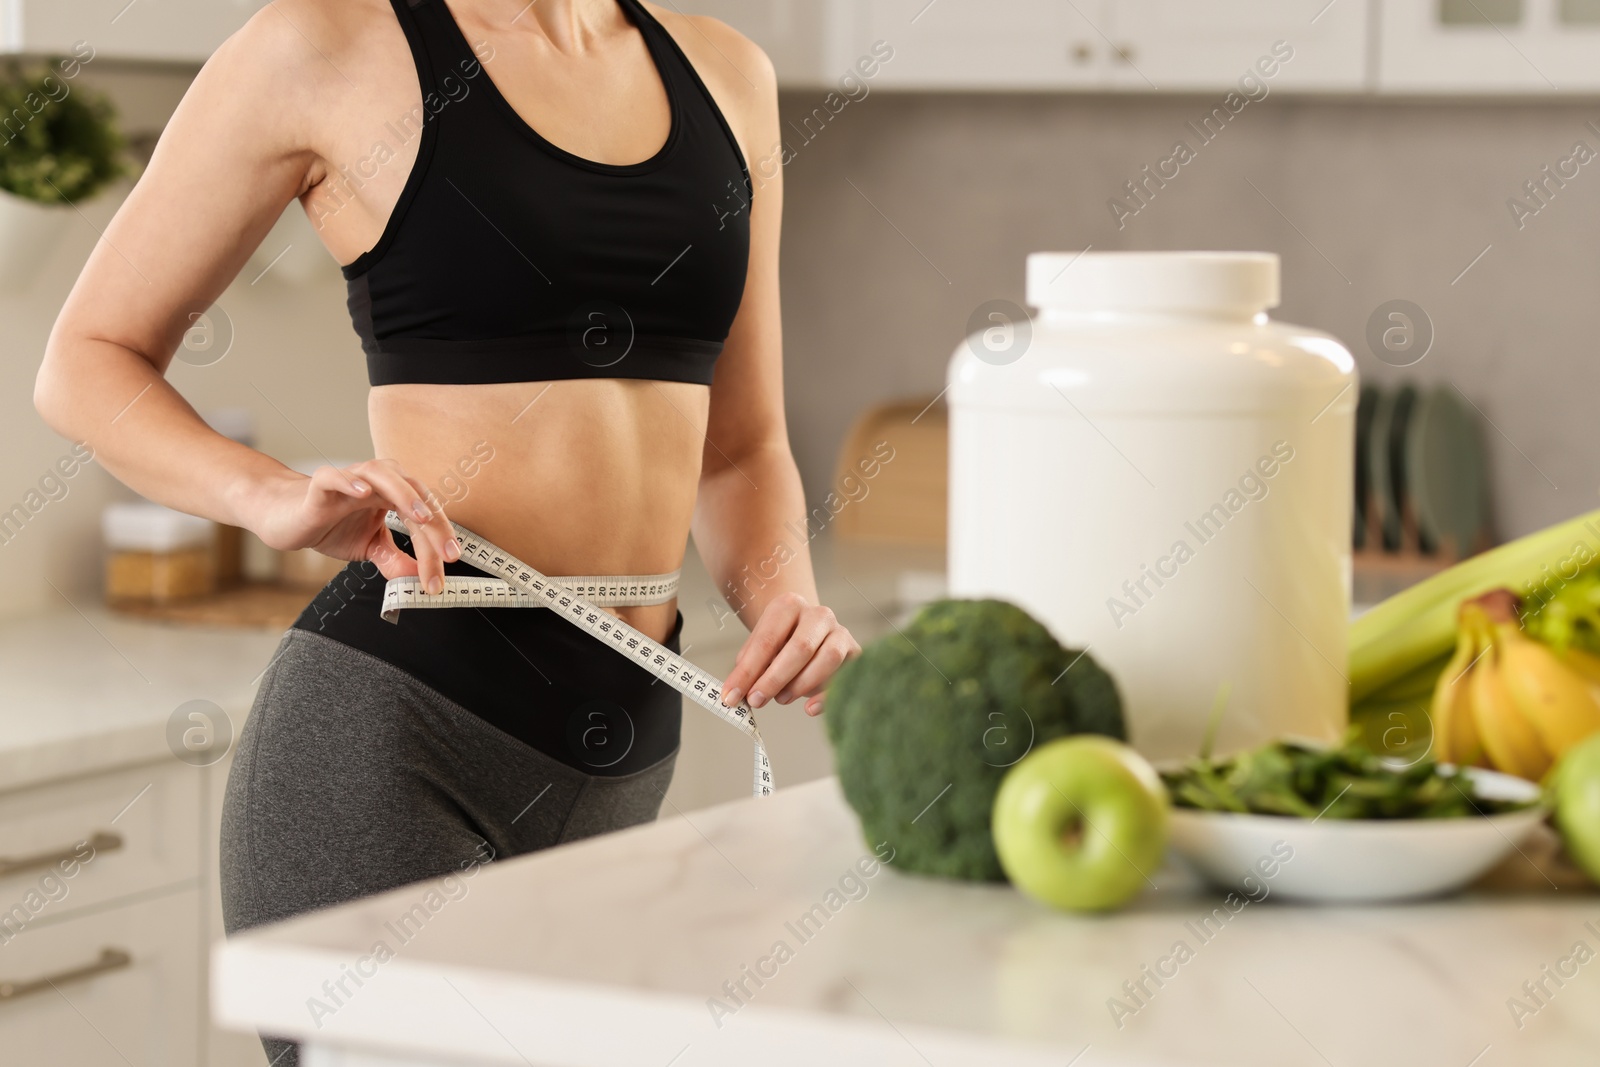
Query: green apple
column 1081, row 823
column 1577, row 796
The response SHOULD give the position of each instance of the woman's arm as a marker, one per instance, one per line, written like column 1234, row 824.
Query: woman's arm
column 237, row 150
column 749, row 485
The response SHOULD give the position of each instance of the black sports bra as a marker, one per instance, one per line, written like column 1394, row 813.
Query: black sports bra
column 509, row 259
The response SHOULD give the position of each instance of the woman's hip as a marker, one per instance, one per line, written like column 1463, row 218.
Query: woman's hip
column 351, row 777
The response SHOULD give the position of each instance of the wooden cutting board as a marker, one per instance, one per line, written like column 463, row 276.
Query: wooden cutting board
column 906, row 501
column 253, row 605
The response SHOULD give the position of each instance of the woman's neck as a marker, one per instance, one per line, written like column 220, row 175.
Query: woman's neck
column 569, row 25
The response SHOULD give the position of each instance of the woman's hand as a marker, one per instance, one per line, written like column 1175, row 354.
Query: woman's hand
column 792, row 652
column 340, row 513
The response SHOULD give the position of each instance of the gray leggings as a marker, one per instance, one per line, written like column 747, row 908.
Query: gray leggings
column 352, row 778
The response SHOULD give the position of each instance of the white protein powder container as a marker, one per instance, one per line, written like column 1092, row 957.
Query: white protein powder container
column 1161, row 474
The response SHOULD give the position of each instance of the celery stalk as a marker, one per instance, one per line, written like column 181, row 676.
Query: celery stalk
column 1405, row 632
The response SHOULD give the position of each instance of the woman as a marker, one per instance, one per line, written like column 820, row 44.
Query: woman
column 566, row 286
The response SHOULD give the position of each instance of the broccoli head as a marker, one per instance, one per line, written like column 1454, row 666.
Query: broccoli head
column 953, row 700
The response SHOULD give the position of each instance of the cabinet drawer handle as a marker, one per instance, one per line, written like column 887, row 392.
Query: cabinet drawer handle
column 100, row 842
column 111, row 959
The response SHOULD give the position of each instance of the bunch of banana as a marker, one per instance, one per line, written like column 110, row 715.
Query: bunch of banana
column 1411, row 634
column 1400, row 647
column 1505, row 700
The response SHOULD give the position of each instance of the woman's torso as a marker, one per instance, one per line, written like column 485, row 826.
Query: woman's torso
column 575, row 475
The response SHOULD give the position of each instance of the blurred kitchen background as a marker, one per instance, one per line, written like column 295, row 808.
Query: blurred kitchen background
column 1378, row 147
column 1398, row 150
column 1379, row 166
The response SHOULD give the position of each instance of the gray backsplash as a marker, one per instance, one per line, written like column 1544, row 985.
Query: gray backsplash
column 908, row 210
column 1399, row 198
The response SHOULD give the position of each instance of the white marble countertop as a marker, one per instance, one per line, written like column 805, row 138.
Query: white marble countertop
column 608, row 953
column 86, row 692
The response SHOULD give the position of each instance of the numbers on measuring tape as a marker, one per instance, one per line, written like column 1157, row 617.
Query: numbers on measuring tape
column 700, row 687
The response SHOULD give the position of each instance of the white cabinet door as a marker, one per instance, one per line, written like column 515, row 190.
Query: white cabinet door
column 801, row 37
column 84, row 842
column 171, row 30
column 123, row 988
column 998, row 44
column 1489, row 46
column 1187, row 45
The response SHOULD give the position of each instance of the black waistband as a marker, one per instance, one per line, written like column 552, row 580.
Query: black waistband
column 524, row 670
column 542, row 357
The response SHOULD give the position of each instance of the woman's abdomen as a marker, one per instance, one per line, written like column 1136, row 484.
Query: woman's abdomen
column 592, row 476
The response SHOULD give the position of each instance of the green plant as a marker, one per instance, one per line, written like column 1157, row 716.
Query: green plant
column 925, row 722
column 58, row 144
column 1408, row 638
column 1349, row 782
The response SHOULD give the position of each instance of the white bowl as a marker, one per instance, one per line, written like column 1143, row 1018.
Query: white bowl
column 1354, row 860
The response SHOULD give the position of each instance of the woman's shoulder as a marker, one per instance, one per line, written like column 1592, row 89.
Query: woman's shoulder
column 296, row 67
column 310, row 39
column 734, row 68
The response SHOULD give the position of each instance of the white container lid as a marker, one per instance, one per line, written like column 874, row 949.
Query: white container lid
column 1235, row 283
column 145, row 527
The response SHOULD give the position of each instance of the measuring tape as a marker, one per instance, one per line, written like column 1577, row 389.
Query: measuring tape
column 519, row 585
column 460, row 592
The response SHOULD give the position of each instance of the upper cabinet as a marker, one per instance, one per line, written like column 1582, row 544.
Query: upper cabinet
column 996, row 44
column 1135, row 45
column 1490, row 46
column 1202, row 46
column 1188, row 45
column 180, row 31
column 805, row 39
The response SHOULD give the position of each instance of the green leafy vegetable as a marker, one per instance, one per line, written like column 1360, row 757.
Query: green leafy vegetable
column 1349, row 782
column 927, row 720
column 58, row 143
column 1565, row 613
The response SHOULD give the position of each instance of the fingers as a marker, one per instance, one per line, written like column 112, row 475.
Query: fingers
column 818, row 696
column 837, row 648
column 793, row 650
column 769, row 635
column 381, row 483
column 435, row 521
column 387, row 557
column 811, row 631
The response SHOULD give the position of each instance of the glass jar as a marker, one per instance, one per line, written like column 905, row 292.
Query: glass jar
column 156, row 555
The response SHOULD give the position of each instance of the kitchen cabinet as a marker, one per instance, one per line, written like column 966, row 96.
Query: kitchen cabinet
column 1003, row 44
column 805, row 39
column 1138, row 45
column 181, row 31
column 90, row 778
column 107, row 989
column 1490, row 46
column 1180, row 45
column 154, row 843
column 1484, row 47
column 943, row 44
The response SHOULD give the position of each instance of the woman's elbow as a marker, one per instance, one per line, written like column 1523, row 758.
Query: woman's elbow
column 46, row 399
column 53, row 393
